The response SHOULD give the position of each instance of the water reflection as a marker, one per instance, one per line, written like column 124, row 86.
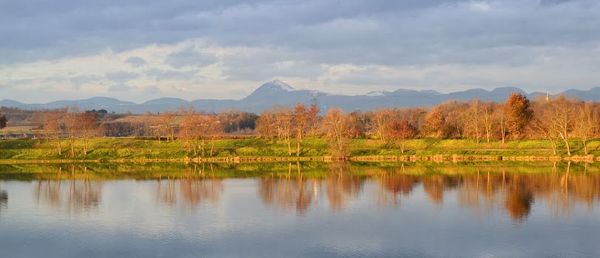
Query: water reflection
column 3, row 200
column 191, row 192
column 482, row 191
column 301, row 210
column 435, row 185
column 289, row 193
column 298, row 192
column 74, row 196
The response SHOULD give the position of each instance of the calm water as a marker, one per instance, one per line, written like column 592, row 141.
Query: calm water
column 342, row 212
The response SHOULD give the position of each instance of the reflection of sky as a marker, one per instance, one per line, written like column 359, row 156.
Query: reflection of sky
column 130, row 219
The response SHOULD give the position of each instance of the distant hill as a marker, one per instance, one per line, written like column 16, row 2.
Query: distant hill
column 279, row 93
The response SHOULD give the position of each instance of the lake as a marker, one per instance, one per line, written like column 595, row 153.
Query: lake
column 301, row 210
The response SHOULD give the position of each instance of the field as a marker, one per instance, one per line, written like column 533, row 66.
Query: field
column 107, row 149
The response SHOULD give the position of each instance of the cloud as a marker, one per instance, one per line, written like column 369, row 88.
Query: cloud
column 136, row 61
column 121, row 76
column 190, row 48
column 169, row 74
column 190, row 57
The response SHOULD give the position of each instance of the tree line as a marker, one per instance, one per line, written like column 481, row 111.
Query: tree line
column 559, row 120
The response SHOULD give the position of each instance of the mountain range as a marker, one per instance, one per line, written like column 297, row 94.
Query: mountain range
column 278, row 93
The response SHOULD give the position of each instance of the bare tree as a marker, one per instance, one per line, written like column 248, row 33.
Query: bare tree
column 265, row 125
column 72, row 129
column 81, row 125
column 198, row 130
column 563, row 119
column 380, row 123
column 89, row 129
column 284, row 126
column 53, row 124
column 166, row 125
column 335, row 125
column 488, row 120
column 588, row 123
column 472, row 120
column 304, row 119
column 555, row 120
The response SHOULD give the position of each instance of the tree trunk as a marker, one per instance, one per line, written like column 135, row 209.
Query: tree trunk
column 502, row 129
column 72, row 148
column 85, row 147
column 59, row 147
column 565, row 139
column 202, row 144
column 553, row 146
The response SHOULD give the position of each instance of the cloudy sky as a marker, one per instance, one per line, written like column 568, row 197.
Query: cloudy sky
column 140, row 49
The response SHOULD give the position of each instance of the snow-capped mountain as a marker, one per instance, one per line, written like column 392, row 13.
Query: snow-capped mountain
column 278, row 93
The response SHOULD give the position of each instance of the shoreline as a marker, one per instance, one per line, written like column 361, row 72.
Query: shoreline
column 440, row 158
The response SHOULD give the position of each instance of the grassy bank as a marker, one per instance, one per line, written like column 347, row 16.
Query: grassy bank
column 129, row 149
column 108, row 171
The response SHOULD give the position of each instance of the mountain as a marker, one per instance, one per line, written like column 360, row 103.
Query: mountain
column 278, row 93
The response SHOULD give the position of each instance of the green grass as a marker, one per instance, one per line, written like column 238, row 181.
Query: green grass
column 109, row 171
column 131, row 149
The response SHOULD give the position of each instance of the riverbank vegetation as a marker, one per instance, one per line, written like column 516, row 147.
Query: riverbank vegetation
column 519, row 127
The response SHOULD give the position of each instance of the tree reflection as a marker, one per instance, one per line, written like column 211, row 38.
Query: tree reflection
column 194, row 192
column 191, row 192
column 483, row 189
column 342, row 186
column 435, row 185
column 3, row 200
column 393, row 186
column 295, row 191
column 288, row 193
column 75, row 195
column 518, row 199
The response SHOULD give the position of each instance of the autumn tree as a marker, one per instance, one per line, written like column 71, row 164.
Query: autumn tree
column 472, row 120
column 265, row 125
column 72, row 129
column 518, row 113
column 89, row 129
column 445, row 120
column 400, row 131
column 198, row 130
column 166, row 126
column 564, row 115
column 53, row 124
column 81, row 125
column 335, row 127
column 304, row 120
column 488, row 120
column 379, row 123
column 541, row 124
column 556, row 120
column 190, row 131
column 284, row 126
column 359, row 123
column 588, row 123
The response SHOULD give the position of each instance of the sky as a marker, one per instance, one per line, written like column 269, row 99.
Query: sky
column 140, row 49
